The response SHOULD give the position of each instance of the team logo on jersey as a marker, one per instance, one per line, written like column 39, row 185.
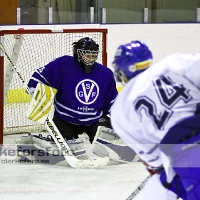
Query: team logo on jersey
column 87, row 91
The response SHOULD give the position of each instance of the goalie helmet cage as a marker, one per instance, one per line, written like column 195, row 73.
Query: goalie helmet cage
column 27, row 50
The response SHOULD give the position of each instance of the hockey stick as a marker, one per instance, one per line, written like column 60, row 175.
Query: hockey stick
column 138, row 189
column 58, row 138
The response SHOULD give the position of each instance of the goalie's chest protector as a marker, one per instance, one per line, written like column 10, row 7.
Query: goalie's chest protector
column 81, row 95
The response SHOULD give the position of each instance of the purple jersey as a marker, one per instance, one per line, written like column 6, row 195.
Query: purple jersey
column 81, row 98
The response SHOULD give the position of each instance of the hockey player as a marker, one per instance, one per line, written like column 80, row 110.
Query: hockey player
column 85, row 92
column 157, row 115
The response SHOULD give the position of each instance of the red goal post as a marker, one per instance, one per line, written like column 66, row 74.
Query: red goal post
column 28, row 50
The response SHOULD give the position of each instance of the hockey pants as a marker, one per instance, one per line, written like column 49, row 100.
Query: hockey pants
column 182, row 145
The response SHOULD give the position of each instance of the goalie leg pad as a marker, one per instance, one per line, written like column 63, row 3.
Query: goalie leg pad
column 78, row 147
column 24, row 147
column 44, row 150
column 108, row 144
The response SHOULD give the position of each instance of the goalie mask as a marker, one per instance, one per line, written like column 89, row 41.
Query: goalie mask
column 86, row 52
column 130, row 60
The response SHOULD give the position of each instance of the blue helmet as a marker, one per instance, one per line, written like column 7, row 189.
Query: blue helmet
column 130, row 60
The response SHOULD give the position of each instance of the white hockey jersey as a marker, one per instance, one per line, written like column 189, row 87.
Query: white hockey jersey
column 154, row 101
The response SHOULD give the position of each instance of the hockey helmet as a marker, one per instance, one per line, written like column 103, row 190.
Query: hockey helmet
column 130, row 60
column 86, row 52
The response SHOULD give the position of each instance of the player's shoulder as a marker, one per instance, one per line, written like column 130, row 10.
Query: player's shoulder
column 103, row 69
column 68, row 61
column 184, row 56
column 180, row 60
column 176, row 63
column 61, row 59
column 67, row 58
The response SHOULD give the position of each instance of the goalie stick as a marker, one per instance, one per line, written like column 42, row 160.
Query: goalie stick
column 58, row 138
column 138, row 189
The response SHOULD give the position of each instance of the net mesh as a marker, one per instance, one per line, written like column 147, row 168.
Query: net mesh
column 34, row 51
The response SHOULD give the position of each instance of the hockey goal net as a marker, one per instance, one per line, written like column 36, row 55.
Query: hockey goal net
column 29, row 50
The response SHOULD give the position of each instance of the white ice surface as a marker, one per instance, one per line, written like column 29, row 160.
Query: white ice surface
column 47, row 182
